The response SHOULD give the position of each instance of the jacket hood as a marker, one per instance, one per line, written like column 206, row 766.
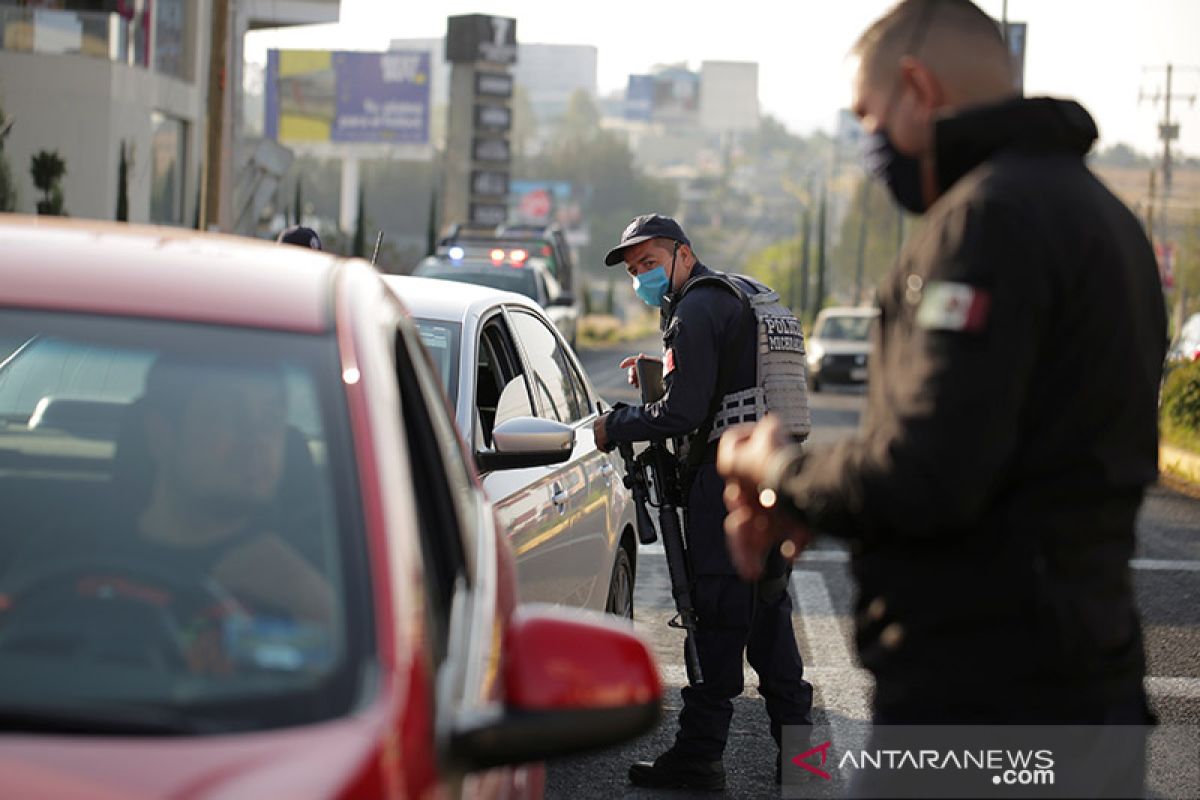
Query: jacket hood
column 1042, row 125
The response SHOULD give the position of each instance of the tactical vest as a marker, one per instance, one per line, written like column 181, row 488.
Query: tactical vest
column 781, row 377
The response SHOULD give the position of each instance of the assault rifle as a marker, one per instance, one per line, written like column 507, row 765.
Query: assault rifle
column 656, row 466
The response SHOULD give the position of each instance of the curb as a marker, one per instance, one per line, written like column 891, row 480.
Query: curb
column 1179, row 463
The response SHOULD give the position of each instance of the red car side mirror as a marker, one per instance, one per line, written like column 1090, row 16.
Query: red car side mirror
column 572, row 682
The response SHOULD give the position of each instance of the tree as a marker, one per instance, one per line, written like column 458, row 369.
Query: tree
column 1184, row 297
column 524, row 123
column 582, row 119
column 360, row 227
column 47, row 169
column 431, row 229
column 123, row 184
column 8, row 190
column 870, row 237
column 600, row 167
column 298, row 202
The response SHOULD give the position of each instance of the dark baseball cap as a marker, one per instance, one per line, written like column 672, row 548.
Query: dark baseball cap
column 643, row 229
column 298, row 234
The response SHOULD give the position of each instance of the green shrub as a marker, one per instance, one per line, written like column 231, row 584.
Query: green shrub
column 1181, row 405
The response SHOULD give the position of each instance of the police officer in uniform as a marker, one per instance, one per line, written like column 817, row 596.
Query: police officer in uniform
column 991, row 494
column 709, row 337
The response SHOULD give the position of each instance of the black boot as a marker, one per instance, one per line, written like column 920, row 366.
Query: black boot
column 674, row 771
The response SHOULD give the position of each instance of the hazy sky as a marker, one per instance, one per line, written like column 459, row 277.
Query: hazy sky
column 1093, row 50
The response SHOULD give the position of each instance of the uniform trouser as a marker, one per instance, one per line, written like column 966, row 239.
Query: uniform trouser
column 735, row 617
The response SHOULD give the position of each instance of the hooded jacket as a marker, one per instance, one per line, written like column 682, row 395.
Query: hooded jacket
column 1011, row 428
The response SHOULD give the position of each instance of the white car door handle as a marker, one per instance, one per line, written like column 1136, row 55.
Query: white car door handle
column 606, row 469
column 559, row 498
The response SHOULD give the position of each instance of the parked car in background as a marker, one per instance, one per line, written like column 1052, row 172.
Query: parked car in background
column 570, row 524
column 1186, row 346
column 243, row 553
column 544, row 249
column 839, row 349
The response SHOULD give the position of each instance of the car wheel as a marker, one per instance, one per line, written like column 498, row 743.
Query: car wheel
column 814, row 384
column 620, row 588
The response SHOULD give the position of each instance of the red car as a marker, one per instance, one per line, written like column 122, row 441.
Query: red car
column 241, row 552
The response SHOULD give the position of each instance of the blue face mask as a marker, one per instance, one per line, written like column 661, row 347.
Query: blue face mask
column 901, row 173
column 652, row 286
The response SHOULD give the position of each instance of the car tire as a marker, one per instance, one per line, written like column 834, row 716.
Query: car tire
column 620, row 586
column 814, row 384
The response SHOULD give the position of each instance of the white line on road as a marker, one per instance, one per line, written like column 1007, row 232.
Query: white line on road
column 841, row 557
column 1162, row 565
column 826, row 642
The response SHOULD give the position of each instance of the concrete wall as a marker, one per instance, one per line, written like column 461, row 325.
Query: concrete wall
column 83, row 107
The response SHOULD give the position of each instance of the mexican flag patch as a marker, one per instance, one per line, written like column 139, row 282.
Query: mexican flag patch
column 950, row 306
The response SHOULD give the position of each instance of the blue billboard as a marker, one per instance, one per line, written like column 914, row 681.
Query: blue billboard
column 349, row 97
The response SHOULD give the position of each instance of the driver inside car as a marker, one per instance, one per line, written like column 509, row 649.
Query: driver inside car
column 192, row 529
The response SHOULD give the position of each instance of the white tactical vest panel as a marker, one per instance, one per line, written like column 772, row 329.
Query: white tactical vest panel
column 781, row 385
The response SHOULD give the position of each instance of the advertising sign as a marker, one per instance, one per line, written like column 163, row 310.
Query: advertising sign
column 493, row 84
column 489, row 182
column 337, row 96
column 480, row 37
column 491, row 150
column 488, row 215
column 493, row 119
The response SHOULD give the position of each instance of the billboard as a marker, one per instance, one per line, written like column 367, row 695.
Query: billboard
column 348, row 97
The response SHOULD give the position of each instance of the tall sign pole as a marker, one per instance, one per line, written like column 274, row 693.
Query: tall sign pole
column 481, row 49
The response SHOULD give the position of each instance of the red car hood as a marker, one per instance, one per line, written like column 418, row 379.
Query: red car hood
column 313, row 761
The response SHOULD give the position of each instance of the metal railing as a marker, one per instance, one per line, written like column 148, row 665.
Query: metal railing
column 88, row 33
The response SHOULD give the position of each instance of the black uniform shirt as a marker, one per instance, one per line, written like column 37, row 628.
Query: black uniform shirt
column 699, row 330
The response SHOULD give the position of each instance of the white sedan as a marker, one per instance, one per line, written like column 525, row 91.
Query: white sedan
column 502, row 361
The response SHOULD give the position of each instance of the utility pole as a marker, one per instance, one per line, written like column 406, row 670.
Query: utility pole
column 1168, row 131
column 821, row 213
column 805, row 233
column 862, row 240
column 215, row 117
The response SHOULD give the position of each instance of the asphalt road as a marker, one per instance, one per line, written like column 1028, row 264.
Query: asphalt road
column 1166, row 573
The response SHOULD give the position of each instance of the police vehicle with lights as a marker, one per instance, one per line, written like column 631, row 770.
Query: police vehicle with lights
column 511, row 269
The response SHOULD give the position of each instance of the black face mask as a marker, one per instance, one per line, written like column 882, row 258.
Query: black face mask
column 901, row 173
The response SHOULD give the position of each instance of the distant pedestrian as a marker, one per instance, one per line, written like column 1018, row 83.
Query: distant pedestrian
column 300, row 235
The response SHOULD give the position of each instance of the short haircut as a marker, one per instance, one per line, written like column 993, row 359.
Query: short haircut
column 911, row 24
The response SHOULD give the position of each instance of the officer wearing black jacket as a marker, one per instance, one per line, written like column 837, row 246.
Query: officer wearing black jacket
column 991, row 494
column 702, row 325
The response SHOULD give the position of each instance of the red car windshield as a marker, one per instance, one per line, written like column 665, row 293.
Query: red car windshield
column 176, row 543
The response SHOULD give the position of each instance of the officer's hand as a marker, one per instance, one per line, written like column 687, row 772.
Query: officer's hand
column 630, row 367
column 751, row 532
column 744, row 450
column 751, row 529
column 600, row 432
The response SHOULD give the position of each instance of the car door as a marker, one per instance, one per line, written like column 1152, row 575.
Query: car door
column 582, row 553
column 531, row 504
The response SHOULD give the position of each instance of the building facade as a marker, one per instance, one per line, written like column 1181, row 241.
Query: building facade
column 87, row 79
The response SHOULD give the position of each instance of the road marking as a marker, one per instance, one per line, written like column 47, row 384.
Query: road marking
column 835, row 556
column 826, row 642
column 1163, row 565
column 1185, row 688
column 842, row 557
